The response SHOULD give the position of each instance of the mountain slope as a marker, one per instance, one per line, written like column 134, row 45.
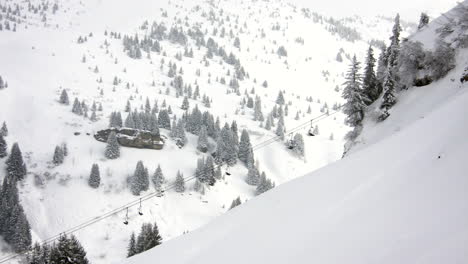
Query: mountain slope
column 399, row 196
column 395, row 201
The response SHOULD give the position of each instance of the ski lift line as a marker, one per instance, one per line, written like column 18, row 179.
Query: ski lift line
column 146, row 197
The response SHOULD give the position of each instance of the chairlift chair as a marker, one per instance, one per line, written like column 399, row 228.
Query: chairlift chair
column 126, row 218
column 227, row 171
column 311, row 130
column 139, row 209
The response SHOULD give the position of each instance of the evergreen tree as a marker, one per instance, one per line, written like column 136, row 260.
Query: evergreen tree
column 95, row 177
column 280, row 130
column 164, row 120
column 68, row 250
column 264, row 184
column 112, row 148
column 3, row 147
column 299, row 146
column 280, row 98
column 64, row 98
column 245, row 148
column 252, row 174
column 209, row 169
column 15, row 166
column 185, row 104
column 58, row 156
column 202, row 144
column 179, row 183
column 369, row 83
column 140, row 180
column 4, row 130
column 423, row 20
column 353, row 94
column 77, row 108
column 236, row 202
column 14, row 226
column 158, row 179
column 131, row 250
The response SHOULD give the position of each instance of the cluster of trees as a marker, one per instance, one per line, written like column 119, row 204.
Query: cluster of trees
column 82, row 109
column 140, row 180
column 67, row 249
column 60, row 153
column 148, row 238
column 3, row 83
column 14, row 226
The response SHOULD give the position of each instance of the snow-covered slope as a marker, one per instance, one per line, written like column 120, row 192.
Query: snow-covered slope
column 43, row 57
column 400, row 196
column 400, row 200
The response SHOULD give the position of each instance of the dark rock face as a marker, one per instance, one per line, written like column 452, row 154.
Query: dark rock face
column 426, row 80
column 132, row 138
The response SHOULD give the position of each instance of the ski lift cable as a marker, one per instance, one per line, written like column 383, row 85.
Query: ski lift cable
column 146, row 197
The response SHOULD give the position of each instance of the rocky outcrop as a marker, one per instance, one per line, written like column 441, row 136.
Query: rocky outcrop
column 132, row 138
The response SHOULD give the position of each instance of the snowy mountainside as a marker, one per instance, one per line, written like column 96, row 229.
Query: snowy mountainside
column 399, row 196
column 43, row 57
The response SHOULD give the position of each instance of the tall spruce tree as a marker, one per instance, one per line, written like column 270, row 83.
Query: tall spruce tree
column 245, row 148
column 59, row 156
column 15, row 166
column 14, row 226
column 354, row 96
column 64, row 98
column 140, row 180
column 179, row 183
column 95, row 177
column 112, row 148
column 369, row 82
column 131, row 250
column 3, row 147
column 202, row 143
column 158, row 179
column 4, row 130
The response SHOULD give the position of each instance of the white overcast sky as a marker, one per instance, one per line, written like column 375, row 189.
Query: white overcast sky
column 409, row 9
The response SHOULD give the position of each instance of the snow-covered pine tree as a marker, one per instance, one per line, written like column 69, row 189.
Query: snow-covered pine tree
column 280, row 130
column 158, row 179
column 245, row 147
column 202, row 143
column 280, row 99
column 185, row 103
column 179, row 183
column 112, row 148
column 353, row 94
column 236, row 202
column 77, row 109
column 68, row 249
column 131, row 249
column 264, row 184
column 94, row 177
column 15, row 166
column 299, row 146
column 140, row 180
column 423, row 20
column 14, row 226
column 164, row 120
column 3, row 147
column 258, row 115
column 252, row 173
column 369, row 82
column 58, row 156
column 4, row 130
column 64, row 98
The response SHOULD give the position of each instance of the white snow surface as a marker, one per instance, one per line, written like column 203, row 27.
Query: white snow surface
column 399, row 196
column 39, row 61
